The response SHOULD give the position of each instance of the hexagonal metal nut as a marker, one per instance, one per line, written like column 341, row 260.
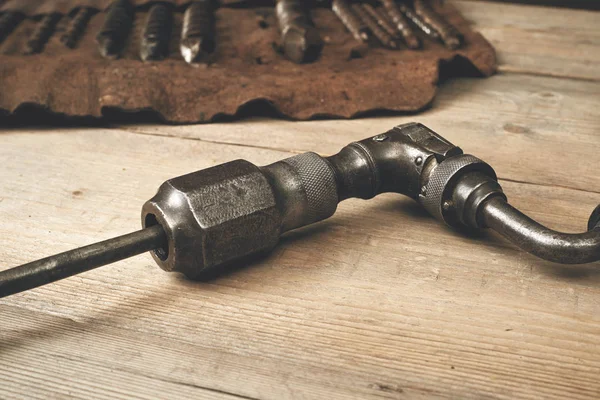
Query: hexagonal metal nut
column 214, row 217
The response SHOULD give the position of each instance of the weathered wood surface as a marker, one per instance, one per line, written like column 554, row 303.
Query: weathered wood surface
column 380, row 301
column 515, row 122
column 539, row 40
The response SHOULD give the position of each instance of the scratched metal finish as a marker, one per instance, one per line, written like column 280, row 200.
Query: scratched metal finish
column 215, row 216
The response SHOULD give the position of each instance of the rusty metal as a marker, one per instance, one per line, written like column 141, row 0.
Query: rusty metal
column 381, row 19
column 418, row 21
column 351, row 21
column 401, row 24
column 114, row 32
column 42, row 32
column 448, row 33
column 9, row 20
column 154, row 44
column 198, row 38
column 77, row 26
column 210, row 220
column 566, row 248
column 300, row 38
column 386, row 39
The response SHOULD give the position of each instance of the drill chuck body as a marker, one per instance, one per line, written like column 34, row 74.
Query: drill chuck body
column 222, row 214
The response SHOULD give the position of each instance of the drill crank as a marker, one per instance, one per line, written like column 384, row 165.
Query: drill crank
column 210, row 219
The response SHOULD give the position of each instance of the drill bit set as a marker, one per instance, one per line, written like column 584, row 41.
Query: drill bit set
column 287, row 57
column 391, row 25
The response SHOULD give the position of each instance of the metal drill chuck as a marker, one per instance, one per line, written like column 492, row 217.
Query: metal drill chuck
column 206, row 221
column 224, row 213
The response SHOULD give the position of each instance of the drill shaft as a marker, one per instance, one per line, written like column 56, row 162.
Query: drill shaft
column 198, row 37
column 300, row 38
column 63, row 265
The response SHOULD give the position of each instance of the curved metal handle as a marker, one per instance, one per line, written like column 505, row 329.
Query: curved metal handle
column 458, row 189
column 565, row 248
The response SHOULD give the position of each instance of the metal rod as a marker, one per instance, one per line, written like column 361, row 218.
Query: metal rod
column 63, row 265
column 77, row 26
column 566, row 248
column 42, row 33
column 9, row 20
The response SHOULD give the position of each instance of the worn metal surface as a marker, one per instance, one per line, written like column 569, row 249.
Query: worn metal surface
column 565, row 248
column 401, row 24
column 214, row 216
column 418, row 21
column 115, row 30
column 198, row 32
column 211, row 219
column 77, row 26
column 383, row 36
column 156, row 35
column 594, row 221
column 43, row 31
column 300, row 38
column 448, row 33
column 63, row 265
column 382, row 20
column 351, row 21
column 8, row 22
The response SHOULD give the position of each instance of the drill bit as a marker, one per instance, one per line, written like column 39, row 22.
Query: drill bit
column 386, row 39
column 8, row 22
column 448, row 33
column 300, row 38
column 198, row 32
column 63, row 265
column 43, row 30
column 115, row 30
column 351, row 21
column 402, row 25
column 157, row 33
column 77, row 26
column 418, row 21
column 382, row 20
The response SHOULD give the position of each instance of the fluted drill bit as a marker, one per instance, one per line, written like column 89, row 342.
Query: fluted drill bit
column 299, row 36
column 157, row 33
column 198, row 32
column 43, row 30
column 8, row 22
column 401, row 24
column 351, row 21
column 418, row 21
column 381, row 19
column 115, row 30
column 386, row 39
column 77, row 26
column 448, row 33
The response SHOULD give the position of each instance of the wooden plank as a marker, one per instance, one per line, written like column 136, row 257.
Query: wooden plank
column 540, row 130
column 380, row 301
column 539, row 40
column 581, row 4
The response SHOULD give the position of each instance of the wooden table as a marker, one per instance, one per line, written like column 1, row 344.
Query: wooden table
column 380, row 301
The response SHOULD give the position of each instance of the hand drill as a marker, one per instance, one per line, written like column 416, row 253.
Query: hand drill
column 210, row 219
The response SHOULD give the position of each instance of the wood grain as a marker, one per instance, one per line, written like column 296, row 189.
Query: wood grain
column 378, row 302
column 532, row 129
column 539, row 40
